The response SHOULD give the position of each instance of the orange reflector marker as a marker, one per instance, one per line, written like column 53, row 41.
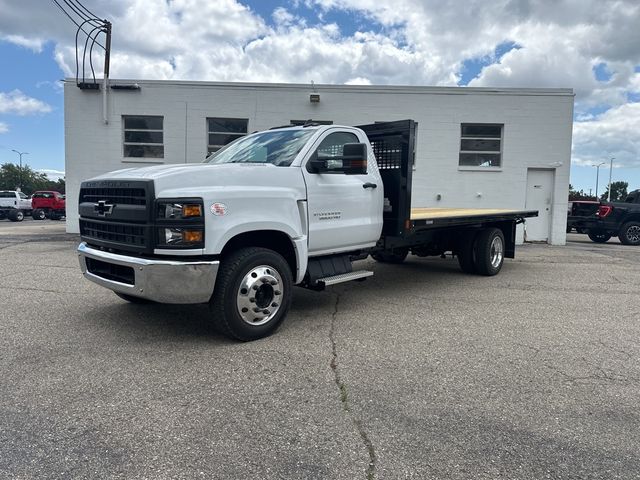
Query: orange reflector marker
column 192, row 236
column 191, row 210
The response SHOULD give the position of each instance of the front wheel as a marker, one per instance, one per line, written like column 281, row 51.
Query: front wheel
column 599, row 236
column 38, row 214
column 489, row 251
column 630, row 233
column 252, row 294
column 16, row 215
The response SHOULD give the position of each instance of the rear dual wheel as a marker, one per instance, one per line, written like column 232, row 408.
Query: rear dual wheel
column 482, row 253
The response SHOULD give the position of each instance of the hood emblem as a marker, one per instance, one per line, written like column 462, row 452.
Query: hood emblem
column 102, row 208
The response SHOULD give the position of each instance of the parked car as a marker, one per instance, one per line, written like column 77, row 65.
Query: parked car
column 14, row 205
column 48, row 204
column 579, row 212
column 617, row 219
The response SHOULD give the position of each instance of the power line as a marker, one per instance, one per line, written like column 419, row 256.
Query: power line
column 93, row 21
column 84, row 53
column 79, row 25
column 91, row 14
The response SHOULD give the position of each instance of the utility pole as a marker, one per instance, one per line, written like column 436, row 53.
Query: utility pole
column 610, row 172
column 20, row 172
column 107, row 61
column 597, row 176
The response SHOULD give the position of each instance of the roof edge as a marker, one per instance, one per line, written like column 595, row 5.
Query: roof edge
column 404, row 89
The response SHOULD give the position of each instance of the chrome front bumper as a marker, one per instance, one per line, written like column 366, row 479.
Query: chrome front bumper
column 164, row 281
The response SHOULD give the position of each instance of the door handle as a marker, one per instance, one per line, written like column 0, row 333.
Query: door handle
column 369, row 185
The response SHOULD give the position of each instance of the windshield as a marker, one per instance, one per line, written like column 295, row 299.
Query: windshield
column 278, row 147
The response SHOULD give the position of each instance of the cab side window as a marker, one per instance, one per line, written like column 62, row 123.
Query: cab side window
column 333, row 146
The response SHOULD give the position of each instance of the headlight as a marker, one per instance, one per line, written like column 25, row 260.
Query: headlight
column 179, row 223
column 180, row 237
column 176, row 211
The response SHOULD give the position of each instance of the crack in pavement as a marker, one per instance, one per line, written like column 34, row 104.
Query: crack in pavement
column 344, row 398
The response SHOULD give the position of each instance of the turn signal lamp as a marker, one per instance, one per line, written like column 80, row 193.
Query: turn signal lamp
column 192, row 236
column 191, row 210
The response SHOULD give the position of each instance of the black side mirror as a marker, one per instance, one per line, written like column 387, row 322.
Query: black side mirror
column 354, row 158
column 353, row 161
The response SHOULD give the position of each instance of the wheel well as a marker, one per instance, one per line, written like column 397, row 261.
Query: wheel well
column 631, row 218
column 271, row 239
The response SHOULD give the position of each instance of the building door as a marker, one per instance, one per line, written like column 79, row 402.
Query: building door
column 539, row 197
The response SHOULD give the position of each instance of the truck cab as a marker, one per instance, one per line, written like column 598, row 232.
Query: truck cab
column 48, row 204
column 14, row 205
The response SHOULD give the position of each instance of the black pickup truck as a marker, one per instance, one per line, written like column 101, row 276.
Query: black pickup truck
column 617, row 219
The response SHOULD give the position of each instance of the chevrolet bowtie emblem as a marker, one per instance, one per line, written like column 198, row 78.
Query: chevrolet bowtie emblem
column 102, row 208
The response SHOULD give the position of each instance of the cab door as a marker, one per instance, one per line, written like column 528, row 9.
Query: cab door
column 344, row 210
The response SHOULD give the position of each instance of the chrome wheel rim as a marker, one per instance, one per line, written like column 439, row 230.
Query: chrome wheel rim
column 497, row 252
column 259, row 295
column 633, row 233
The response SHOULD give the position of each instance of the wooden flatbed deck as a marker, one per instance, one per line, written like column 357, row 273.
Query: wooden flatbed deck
column 438, row 213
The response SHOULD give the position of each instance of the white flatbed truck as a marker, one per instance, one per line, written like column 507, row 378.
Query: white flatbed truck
column 283, row 207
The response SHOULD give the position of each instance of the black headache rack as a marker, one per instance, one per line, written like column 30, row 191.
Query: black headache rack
column 117, row 214
column 393, row 145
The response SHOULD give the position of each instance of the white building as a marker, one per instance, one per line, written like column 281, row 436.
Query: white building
column 476, row 147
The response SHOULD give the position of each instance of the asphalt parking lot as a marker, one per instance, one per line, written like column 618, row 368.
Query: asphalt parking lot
column 420, row 372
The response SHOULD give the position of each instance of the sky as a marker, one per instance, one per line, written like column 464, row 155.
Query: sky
column 591, row 46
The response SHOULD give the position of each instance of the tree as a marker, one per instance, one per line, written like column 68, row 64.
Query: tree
column 618, row 191
column 11, row 177
column 578, row 195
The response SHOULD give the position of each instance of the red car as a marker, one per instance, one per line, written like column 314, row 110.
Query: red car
column 48, row 204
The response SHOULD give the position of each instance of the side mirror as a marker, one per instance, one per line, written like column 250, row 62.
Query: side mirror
column 353, row 161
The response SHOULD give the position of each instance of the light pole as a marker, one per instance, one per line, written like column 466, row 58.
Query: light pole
column 20, row 154
column 597, row 176
column 610, row 172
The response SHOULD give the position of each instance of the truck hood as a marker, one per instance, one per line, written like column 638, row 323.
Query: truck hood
column 192, row 178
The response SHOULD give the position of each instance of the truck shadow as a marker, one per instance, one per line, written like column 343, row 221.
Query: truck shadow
column 166, row 323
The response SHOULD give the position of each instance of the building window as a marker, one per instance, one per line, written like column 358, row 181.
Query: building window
column 481, row 145
column 300, row 123
column 221, row 131
column 143, row 136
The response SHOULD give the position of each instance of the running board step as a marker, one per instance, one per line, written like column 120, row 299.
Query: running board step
column 345, row 277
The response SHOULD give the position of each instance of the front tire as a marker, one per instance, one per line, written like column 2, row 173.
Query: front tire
column 252, row 294
column 489, row 251
column 630, row 233
column 16, row 215
column 38, row 214
column 599, row 236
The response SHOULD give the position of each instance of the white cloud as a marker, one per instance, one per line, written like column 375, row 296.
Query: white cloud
column 34, row 44
column 53, row 175
column 4, row 128
column 18, row 103
column 417, row 42
column 612, row 134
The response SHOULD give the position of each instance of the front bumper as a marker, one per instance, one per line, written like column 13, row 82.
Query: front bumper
column 164, row 281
